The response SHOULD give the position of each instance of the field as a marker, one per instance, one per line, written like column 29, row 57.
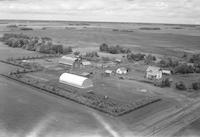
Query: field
column 48, row 113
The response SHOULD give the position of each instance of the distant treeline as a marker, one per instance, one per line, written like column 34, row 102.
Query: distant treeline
column 113, row 49
column 39, row 44
column 146, row 28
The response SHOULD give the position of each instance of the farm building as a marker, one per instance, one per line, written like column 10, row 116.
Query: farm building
column 86, row 74
column 166, row 72
column 69, row 62
column 117, row 60
column 108, row 72
column 153, row 72
column 122, row 70
column 75, row 80
column 86, row 63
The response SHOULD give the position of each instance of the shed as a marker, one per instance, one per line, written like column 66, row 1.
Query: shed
column 86, row 63
column 122, row 70
column 153, row 72
column 166, row 72
column 86, row 74
column 75, row 80
column 67, row 60
column 70, row 61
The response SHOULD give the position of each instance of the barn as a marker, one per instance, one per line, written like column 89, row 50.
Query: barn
column 70, row 62
column 75, row 80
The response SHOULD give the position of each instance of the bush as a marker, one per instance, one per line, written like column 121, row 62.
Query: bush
column 149, row 59
column 163, row 83
column 195, row 58
column 183, row 69
column 67, row 50
column 103, row 47
column 113, row 49
column 135, row 57
column 196, row 85
column 91, row 54
column 105, row 59
column 180, row 85
column 76, row 53
column 168, row 62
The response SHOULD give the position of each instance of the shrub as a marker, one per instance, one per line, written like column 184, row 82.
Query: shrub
column 180, row 85
column 76, row 53
column 92, row 54
column 168, row 62
column 113, row 49
column 67, row 50
column 149, row 59
column 105, row 59
column 103, row 47
column 195, row 58
column 135, row 57
column 163, row 83
column 196, row 85
column 183, row 69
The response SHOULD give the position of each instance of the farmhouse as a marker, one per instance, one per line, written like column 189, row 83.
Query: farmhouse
column 153, row 72
column 70, row 62
column 75, row 80
column 122, row 70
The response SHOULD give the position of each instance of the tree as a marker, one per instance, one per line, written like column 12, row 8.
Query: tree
column 183, row 69
column 67, row 50
column 135, row 57
column 103, row 47
column 196, row 85
column 76, row 53
column 57, row 48
column 149, row 59
column 180, row 85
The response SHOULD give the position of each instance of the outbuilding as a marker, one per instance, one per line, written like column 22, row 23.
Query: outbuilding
column 108, row 72
column 86, row 63
column 75, row 80
column 69, row 61
column 166, row 72
column 122, row 70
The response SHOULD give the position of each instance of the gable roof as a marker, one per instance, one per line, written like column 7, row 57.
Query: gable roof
column 153, row 69
column 122, row 69
column 67, row 60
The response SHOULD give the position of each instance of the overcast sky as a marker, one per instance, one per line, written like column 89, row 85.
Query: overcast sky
column 166, row 11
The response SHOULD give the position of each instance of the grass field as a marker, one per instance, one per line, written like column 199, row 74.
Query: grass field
column 167, row 41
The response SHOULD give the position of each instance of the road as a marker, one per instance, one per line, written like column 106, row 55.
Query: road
column 173, row 122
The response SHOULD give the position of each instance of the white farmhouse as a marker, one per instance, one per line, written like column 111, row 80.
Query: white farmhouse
column 153, row 72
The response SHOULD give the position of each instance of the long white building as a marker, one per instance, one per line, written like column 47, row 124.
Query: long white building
column 75, row 80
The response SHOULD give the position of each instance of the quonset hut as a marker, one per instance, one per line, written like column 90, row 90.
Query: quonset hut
column 75, row 80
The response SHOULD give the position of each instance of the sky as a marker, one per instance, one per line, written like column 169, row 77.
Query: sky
column 154, row 11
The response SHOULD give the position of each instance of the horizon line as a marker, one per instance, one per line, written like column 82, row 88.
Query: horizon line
column 43, row 20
